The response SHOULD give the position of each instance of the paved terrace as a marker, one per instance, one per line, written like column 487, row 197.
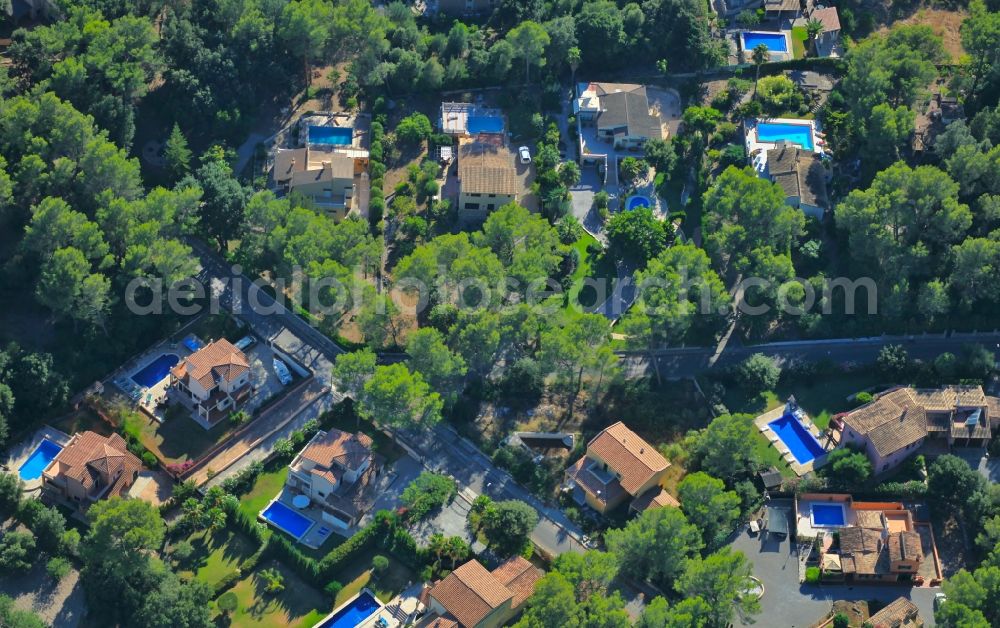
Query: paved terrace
column 762, row 422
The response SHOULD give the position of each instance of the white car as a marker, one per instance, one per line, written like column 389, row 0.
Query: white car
column 939, row 599
column 281, row 370
column 524, row 154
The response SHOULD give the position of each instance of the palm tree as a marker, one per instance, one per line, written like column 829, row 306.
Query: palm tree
column 813, row 29
column 760, row 55
column 573, row 58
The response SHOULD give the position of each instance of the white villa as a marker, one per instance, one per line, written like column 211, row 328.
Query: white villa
column 336, row 471
column 214, row 380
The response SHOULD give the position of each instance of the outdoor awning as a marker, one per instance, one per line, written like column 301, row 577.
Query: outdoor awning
column 777, row 520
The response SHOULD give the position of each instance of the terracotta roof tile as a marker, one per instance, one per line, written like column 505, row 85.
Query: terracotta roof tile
column 654, row 498
column 635, row 460
column 89, row 456
column 905, row 546
column 519, row 576
column 470, row 593
column 899, row 612
column 829, row 17
column 902, row 416
column 487, row 169
column 338, row 448
column 216, row 361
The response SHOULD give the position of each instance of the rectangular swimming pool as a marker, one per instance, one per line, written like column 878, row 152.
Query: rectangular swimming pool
column 354, row 612
column 830, row 515
column 333, row 135
column 484, row 124
column 286, row 519
column 797, row 438
column 801, row 134
column 154, row 372
column 44, row 454
column 775, row 42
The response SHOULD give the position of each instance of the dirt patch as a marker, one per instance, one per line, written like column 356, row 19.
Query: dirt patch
column 945, row 24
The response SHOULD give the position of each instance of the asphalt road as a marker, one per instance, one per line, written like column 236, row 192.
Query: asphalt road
column 685, row 362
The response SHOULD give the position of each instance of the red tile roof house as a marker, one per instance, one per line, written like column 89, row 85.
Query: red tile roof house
column 214, row 381
column 473, row 597
column 337, row 471
column 91, row 467
column 620, row 465
column 898, row 421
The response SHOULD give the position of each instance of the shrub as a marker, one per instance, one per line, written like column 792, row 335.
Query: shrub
column 227, row 602
column 182, row 551
column 812, row 575
column 149, row 459
column 58, row 568
column 841, row 620
column 332, row 588
column 863, row 397
column 758, row 373
column 427, row 492
column 379, row 564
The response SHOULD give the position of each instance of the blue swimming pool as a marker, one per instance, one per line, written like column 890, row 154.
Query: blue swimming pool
column 775, row 42
column 38, row 460
column 355, row 612
column 155, row 371
column 801, row 134
column 828, row 515
column 637, row 201
column 797, row 438
column 287, row 519
column 334, row 135
column 484, row 124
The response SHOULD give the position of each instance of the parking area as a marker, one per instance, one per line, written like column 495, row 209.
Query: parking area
column 391, row 484
column 263, row 379
column 449, row 521
column 582, row 195
column 776, row 563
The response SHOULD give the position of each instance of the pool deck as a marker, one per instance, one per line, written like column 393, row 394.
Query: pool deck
column 22, row 451
column 149, row 399
column 757, row 149
column 776, row 55
column 762, row 423
column 312, row 538
column 383, row 612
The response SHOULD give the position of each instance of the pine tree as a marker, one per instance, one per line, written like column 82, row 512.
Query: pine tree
column 177, row 154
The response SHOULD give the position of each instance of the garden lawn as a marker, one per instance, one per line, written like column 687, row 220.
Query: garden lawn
column 821, row 398
column 799, row 38
column 178, row 438
column 359, row 575
column 266, row 488
column 82, row 420
column 770, row 456
column 596, row 267
column 216, row 555
column 298, row 605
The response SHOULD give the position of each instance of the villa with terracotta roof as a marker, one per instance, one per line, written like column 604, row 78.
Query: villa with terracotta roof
column 859, row 541
column 900, row 420
column 337, row 471
column 487, row 179
column 474, row 597
column 215, row 380
column 91, row 467
column 619, row 466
